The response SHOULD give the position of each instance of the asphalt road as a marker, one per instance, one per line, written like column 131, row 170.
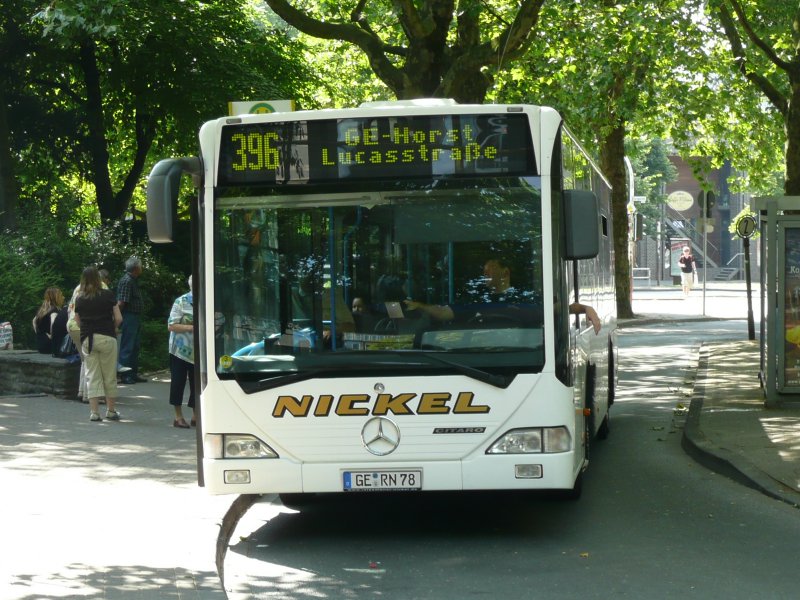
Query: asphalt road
column 651, row 523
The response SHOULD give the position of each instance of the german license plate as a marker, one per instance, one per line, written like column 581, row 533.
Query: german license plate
column 381, row 481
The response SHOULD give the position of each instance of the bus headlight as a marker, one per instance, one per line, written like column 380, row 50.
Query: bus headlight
column 534, row 440
column 236, row 446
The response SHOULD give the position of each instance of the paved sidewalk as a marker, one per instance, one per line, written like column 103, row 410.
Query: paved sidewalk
column 103, row 510
column 728, row 428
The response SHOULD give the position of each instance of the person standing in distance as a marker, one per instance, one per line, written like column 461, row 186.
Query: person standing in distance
column 181, row 355
column 688, row 270
column 97, row 315
column 129, row 299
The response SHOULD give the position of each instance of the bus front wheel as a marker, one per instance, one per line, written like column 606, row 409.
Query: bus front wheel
column 604, row 430
column 576, row 491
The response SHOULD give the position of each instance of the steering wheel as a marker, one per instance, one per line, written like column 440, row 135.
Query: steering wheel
column 385, row 325
column 250, row 349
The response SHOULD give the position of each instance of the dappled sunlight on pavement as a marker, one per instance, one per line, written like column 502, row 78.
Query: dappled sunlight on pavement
column 729, row 428
column 103, row 510
column 735, row 419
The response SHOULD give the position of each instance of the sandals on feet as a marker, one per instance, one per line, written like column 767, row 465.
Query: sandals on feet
column 181, row 423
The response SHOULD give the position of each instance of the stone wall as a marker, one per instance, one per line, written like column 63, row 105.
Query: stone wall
column 28, row 372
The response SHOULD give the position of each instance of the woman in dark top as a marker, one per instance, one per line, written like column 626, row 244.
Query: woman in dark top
column 98, row 316
column 688, row 270
column 50, row 322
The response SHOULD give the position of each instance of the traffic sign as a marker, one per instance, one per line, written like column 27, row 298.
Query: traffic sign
column 746, row 226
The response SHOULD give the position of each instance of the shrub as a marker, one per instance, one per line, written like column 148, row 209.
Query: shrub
column 42, row 254
column 23, row 279
column 154, row 354
column 113, row 245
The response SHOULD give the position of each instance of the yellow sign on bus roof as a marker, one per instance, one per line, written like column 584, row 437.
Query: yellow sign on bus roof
column 260, row 107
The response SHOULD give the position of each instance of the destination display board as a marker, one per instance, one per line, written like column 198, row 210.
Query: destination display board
column 397, row 147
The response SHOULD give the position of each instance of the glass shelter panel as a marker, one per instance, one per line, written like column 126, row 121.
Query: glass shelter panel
column 789, row 306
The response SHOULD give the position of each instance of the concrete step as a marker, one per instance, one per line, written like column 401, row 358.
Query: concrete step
column 726, row 274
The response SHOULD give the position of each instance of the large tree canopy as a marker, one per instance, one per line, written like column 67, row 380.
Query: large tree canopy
column 92, row 90
column 764, row 38
column 432, row 48
column 610, row 68
column 100, row 86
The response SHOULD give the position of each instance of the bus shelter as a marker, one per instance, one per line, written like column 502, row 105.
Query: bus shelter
column 780, row 298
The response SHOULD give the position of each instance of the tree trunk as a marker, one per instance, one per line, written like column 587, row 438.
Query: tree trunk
column 466, row 84
column 96, row 142
column 612, row 159
column 145, row 134
column 8, row 185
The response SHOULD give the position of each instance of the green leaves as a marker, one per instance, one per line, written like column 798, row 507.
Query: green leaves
column 70, row 20
column 99, row 90
column 430, row 48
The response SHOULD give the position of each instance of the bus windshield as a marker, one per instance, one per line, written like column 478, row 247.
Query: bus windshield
column 416, row 275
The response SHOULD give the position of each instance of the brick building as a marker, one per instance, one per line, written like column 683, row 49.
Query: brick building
column 683, row 219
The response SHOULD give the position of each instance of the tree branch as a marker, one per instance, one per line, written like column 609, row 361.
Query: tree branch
column 357, row 17
column 412, row 22
column 769, row 90
column 358, row 12
column 515, row 39
column 355, row 34
column 768, row 51
column 145, row 134
column 468, row 28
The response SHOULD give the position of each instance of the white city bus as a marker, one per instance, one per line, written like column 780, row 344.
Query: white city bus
column 462, row 233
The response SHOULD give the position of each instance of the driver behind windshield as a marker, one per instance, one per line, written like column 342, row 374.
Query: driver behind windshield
column 492, row 299
column 489, row 297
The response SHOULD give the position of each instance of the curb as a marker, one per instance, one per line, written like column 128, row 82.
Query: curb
column 724, row 462
column 646, row 319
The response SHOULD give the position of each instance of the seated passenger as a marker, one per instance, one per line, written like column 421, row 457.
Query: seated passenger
column 364, row 316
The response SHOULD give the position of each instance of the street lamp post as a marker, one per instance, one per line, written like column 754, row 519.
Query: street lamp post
column 745, row 227
column 705, row 247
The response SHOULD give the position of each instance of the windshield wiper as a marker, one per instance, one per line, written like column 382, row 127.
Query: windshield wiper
column 250, row 385
column 279, row 378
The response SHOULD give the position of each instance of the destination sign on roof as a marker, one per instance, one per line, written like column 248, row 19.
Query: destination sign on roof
column 315, row 151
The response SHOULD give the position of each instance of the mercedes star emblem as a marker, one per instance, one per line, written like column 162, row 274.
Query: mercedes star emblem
column 380, row 436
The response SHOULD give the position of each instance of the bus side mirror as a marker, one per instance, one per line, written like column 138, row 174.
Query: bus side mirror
column 582, row 224
column 162, row 195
